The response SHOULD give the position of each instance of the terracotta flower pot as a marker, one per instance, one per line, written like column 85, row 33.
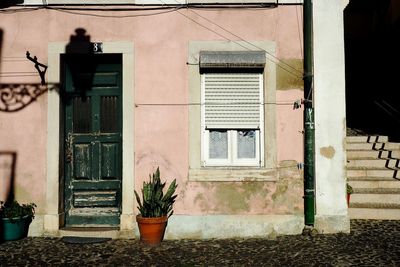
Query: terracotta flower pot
column 152, row 229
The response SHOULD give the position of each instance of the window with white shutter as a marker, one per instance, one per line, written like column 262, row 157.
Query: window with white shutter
column 232, row 100
column 232, row 118
column 232, row 133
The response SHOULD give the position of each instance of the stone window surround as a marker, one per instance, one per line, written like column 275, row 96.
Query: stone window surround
column 198, row 173
column 54, row 215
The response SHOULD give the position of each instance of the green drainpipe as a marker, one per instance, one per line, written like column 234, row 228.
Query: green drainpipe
column 309, row 129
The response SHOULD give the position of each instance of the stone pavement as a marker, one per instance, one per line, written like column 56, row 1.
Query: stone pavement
column 370, row 243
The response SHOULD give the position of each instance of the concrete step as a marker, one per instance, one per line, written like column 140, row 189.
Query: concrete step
column 376, row 184
column 374, row 190
column 376, row 200
column 373, row 205
column 104, row 232
column 371, row 178
column 367, row 139
column 381, row 173
column 373, row 146
column 374, row 163
column 374, row 213
column 373, row 154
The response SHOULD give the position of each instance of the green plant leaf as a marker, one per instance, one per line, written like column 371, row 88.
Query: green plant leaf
column 155, row 202
column 13, row 209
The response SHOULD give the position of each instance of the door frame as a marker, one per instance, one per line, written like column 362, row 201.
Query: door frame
column 54, row 216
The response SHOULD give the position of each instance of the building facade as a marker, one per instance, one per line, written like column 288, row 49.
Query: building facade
column 204, row 91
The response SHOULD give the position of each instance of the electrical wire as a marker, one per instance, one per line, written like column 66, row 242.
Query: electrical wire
column 13, row 60
column 137, row 7
column 242, row 39
column 205, row 27
column 15, row 57
column 20, row 10
column 18, row 72
column 63, row 10
column 167, row 9
column 18, row 75
column 214, row 104
column 255, row 46
column 298, row 28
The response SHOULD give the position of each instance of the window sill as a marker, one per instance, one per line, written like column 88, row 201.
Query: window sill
column 233, row 175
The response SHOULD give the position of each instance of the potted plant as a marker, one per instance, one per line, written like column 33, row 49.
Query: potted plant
column 349, row 191
column 155, row 209
column 15, row 219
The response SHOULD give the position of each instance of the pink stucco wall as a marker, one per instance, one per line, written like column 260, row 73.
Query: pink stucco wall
column 160, row 77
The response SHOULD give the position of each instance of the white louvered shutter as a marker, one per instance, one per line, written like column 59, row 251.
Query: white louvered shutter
column 232, row 100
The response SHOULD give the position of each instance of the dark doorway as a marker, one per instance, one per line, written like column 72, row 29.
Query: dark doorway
column 372, row 42
column 92, row 101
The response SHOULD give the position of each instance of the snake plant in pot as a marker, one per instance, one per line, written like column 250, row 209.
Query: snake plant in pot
column 155, row 208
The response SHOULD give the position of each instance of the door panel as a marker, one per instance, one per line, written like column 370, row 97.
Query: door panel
column 93, row 127
column 109, row 161
column 81, row 160
column 82, row 114
column 95, row 199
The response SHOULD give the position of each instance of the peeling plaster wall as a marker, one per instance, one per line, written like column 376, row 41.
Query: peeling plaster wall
column 282, row 197
column 161, row 95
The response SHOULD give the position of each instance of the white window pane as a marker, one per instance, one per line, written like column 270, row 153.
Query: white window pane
column 246, row 144
column 218, row 144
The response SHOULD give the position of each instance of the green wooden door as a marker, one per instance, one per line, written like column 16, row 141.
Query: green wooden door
column 93, row 135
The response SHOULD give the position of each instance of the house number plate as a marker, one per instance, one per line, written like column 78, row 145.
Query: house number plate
column 97, row 47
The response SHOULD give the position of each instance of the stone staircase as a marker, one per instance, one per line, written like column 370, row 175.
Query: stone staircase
column 373, row 170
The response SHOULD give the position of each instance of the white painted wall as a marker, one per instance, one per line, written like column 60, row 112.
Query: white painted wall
column 330, row 116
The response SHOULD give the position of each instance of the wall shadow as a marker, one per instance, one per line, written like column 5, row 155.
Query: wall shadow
column 81, row 66
column 8, row 162
column 78, row 58
column 15, row 97
column 372, row 41
column 1, row 43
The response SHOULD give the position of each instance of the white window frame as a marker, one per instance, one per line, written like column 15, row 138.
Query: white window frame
column 232, row 160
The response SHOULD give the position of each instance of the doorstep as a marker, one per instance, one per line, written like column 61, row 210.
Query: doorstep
column 101, row 232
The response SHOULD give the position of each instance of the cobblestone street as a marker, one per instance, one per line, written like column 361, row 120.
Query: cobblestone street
column 370, row 243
